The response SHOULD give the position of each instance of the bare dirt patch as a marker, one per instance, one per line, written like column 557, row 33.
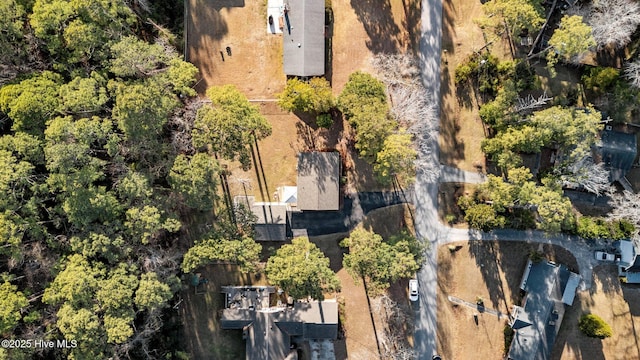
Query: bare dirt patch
column 488, row 270
column 255, row 64
column 618, row 305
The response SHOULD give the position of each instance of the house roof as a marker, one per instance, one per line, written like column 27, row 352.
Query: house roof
column 536, row 323
column 627, row 252
column 288, row 194
column 617, row 150
column 270, row 330
column 319, row 181
column 272, row 220
column 303, row 38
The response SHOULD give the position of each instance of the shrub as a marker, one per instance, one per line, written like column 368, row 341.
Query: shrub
column 600, row 79
column 508, row 337
column 324, row 120
column 463, row 73
column 593, row 326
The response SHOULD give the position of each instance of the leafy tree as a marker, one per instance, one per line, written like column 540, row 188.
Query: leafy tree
column 484, row 217
column 12, row 302
column 133, row 57
column 376, row 261
column 134, row 188
column 244, row 252
column 230, row 125
column 600, row 79
column 498, row 191
column 361, row 90
column 594, row 326
column 24, row 147
column 75, row 284
column 314, row 96
column 11, row 31
column 103, row 246
column 373, row 125
column 555, row 210
column 11, row 234
column 82, row 325
column 302, row 270
column 196, row 179
column 93, row 204
column 83, row 95
column 517, row 15
column 115, row 296
column 396, row 159
column 152, row 294
column 141, row 110
column 567, row 128
column 31, row 102
column 78, row 31
column 570, row 41
column 145, row 223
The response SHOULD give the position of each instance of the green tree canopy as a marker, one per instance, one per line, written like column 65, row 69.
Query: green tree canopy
column 244, row 252
column 313, row 96
column 570, row 41
column 11, row 303
column 377, row 261
column 152, row 293
column 75, row 284
column 196, row 179
column 230, row 125
column 360, row 90
column 77, row 31
column 518, row 15
column 396, row 159
column 302, row 270
column 31, row 102
column 83, row 96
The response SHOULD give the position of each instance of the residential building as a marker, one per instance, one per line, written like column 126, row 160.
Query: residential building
column 303, row 38
column 548, row 288
column 318, row 181
column 273, row 332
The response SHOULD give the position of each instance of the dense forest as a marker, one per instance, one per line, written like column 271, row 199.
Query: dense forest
column 100, row 178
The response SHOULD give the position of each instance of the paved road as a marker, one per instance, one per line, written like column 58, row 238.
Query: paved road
column 354, row 207
column 428, row 226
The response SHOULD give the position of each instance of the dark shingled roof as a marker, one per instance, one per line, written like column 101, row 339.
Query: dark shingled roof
column 617, row 150
column 319, row 181
column 270, row 330
column 537, row 321
column 303, row 38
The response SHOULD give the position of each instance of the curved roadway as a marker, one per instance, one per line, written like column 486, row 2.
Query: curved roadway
column 428, row 226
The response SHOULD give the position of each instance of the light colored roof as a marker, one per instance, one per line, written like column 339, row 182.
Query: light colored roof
column 627, row 252
column 288, row 194
column 570, row 290
column 270, row 212
column 319, row 181
column 303, row 38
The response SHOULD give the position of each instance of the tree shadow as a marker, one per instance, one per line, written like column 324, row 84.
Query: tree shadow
column 444, row 329
column 487, row 256
column 377, row 18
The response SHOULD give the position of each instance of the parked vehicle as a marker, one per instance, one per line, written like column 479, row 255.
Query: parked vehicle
column 436, row 357
column 413, row 290
column 603, row 256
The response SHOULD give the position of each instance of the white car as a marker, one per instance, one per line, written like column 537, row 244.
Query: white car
column 413, row 290
column 603, row 256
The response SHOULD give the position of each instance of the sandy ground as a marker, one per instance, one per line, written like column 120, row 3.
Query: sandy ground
column 461, row 129
column 618, row 306
column 361, row 28
column 491, row 271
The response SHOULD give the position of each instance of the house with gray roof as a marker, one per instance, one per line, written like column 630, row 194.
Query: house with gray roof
column 617, row 150
column 318, row 181
column 303, row 39
column 548, row 288
column 272, row 332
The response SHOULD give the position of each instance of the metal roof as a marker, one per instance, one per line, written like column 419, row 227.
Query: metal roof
column 303, row 38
